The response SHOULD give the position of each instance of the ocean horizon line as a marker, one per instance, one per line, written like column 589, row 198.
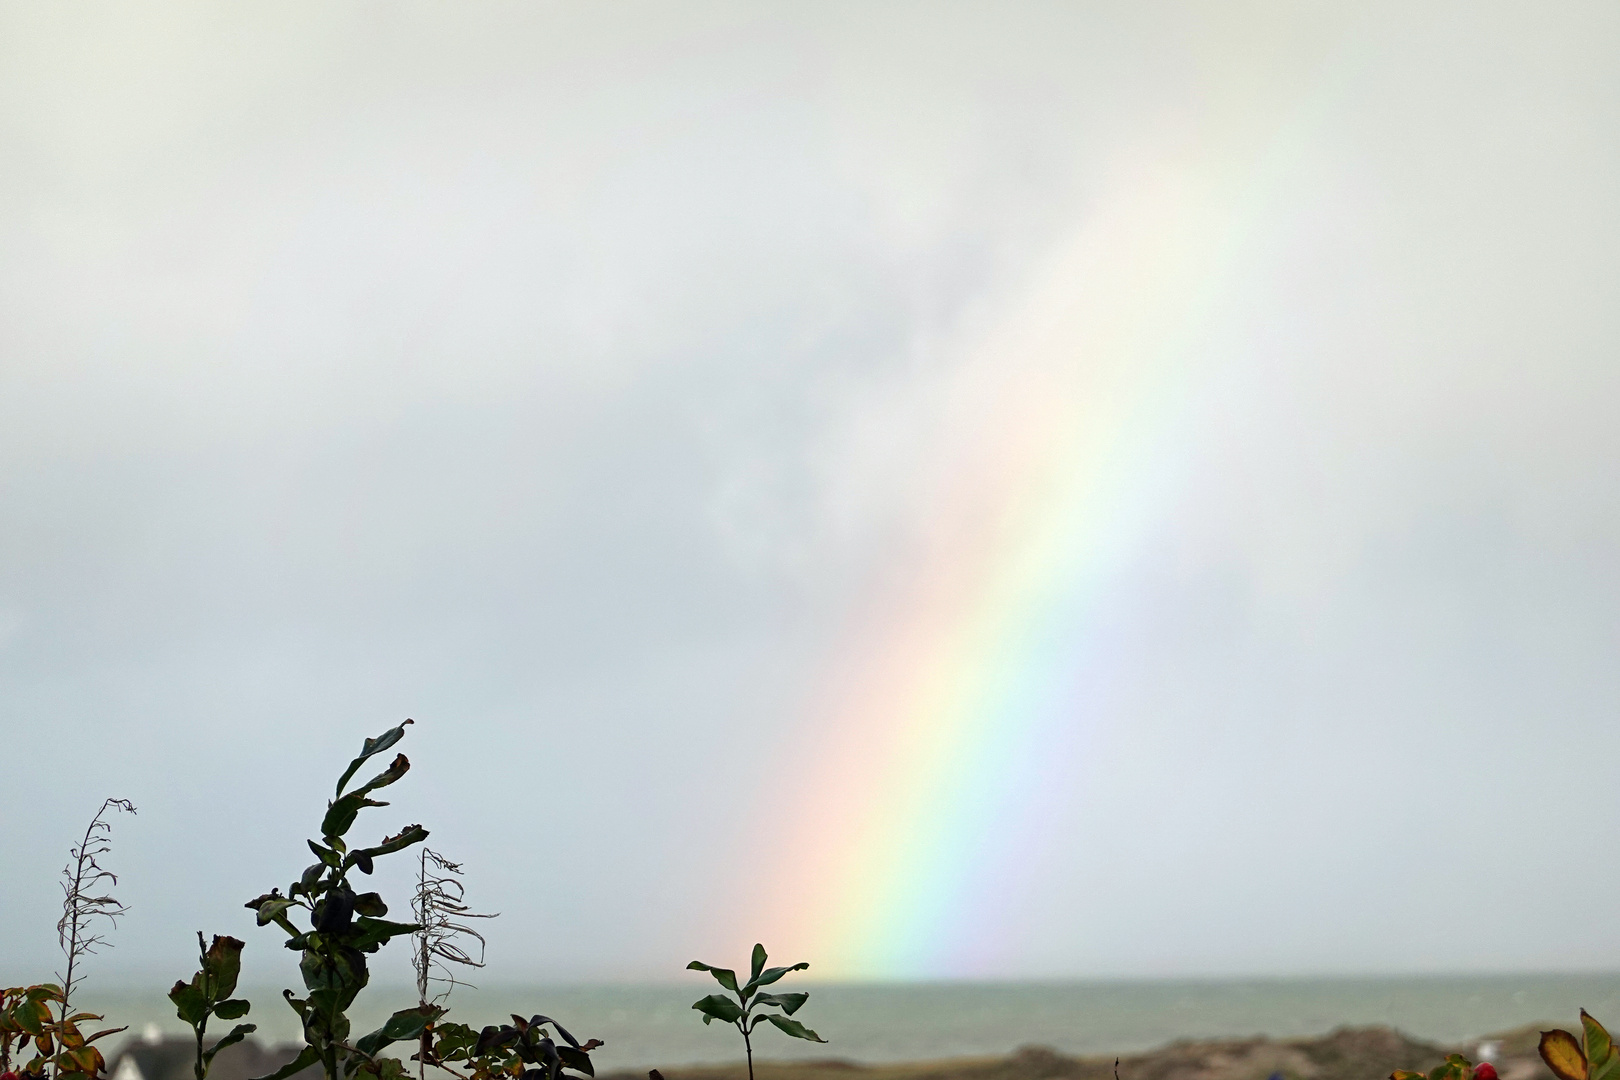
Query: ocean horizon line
column 142, row 980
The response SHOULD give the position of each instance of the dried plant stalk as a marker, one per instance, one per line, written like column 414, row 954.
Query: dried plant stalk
column 443, row 937
column 439, row 906
column 82, row 878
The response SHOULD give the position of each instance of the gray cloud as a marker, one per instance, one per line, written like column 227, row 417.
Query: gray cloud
column 571, row 379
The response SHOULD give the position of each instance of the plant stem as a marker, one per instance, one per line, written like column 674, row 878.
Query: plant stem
column 425, row 1045
column 202, row 1026
column 73, row 927
column 73, row 920
column 749, row 1047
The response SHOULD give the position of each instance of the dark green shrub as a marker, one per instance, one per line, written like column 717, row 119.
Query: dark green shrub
column 522, row 1050
column 345, row 927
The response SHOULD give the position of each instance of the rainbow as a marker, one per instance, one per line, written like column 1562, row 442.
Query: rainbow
column 953, row 718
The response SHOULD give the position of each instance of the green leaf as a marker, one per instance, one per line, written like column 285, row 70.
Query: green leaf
column 324, row 1003
column 411, row 834
column 396, row 769
column 453, row 1041
column 788, row 1003
column 34, row 1014
column 326, row 855
column 1598, row 1046
column 223, row 962
column 493, row 1038
column 189, row 1003
column 308, row 1056
column 370, row 904
column 272, row 908
column 370, row 748
column 758, row 964
column 232, row 1009
column 238, row 1033
column 770, row 975
column 1455, row 1067
column 724, row 976
column 403, row 1025
column 537, row 1019
column 577, row 1060
column 85, row 1061
column 341, row 814
column 368, row 934
column 386, row 1068
column 720, row 1008
column 794, row 1028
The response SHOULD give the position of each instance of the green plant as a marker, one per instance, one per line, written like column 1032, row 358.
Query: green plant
column 1593, row 1056
column 522, row 1049
column 740, row 1012
column 59, row 1042
column 1455, row 1067
column 26, row 1016
column 344, row 928
column 208, row 994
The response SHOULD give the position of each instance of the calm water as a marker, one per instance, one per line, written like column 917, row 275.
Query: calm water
column 654, row 1025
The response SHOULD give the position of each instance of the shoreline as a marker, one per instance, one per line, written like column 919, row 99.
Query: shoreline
column 1346, row 1053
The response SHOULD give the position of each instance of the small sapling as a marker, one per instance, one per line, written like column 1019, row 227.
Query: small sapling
column 740, row 1012
column 208, row 994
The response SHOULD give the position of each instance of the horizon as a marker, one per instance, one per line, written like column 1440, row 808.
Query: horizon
column 142, row 982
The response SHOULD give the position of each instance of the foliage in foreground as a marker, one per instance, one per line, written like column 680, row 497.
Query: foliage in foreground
column 523, row 1048
column 25, row 1016
column 42, row 1016
column 1593, row 1056
column 208, row 994
column 38, row 1015
column 740, row 1013
column 345, row 927
column 1455, row 1067
column 61, row 1041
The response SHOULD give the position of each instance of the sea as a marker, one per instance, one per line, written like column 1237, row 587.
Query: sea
column 651, row 1026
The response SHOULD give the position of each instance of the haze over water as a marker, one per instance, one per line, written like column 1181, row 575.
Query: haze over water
column 647, row 1026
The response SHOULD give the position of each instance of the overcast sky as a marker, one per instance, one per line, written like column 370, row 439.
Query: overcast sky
column 577, row 379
